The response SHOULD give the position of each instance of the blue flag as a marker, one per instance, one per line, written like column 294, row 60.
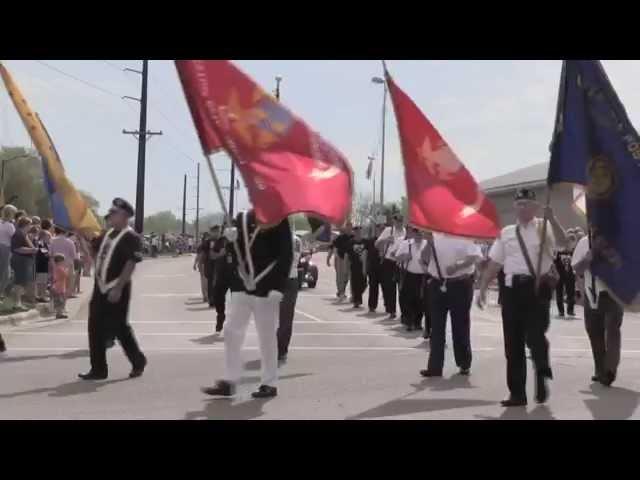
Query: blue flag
column 595, row 145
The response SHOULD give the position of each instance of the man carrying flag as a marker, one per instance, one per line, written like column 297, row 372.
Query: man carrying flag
column 596, row 146
column 287, row 168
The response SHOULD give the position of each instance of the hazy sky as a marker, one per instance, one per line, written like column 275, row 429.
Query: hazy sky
column 497, row 115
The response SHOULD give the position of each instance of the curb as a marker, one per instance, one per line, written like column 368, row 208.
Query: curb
column 42, row 317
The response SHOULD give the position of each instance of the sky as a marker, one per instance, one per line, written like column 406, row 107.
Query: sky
column 497, row 116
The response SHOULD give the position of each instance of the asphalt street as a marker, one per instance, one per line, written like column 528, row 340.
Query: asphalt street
column 343, row 364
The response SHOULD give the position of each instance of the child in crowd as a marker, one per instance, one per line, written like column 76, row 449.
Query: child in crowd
column 59, row 285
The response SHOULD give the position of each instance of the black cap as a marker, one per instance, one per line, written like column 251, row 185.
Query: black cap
column 123, row 205
column 525, row 194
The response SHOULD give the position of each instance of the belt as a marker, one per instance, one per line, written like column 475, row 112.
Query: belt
column 454, row 279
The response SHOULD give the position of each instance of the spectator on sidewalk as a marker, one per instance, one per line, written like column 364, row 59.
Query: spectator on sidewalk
column 7, row 229
column 22, row 255
column 63, row 244
column 59, row 286
column 42, row 261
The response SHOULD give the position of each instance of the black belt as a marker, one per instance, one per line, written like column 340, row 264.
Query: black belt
column 454, row 279
column 522, row 280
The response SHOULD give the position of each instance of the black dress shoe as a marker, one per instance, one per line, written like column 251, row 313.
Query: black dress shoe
column 92, row 376
column 542, row 391
column 608, row 378
column 221, row 389
column 429, row 373
column 3, row 347
column 139, row 370
column 265, row 391
column 514, row 402
column 595, row 378
column 465, row 371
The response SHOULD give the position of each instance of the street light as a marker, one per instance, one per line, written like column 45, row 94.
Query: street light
column 379, row 80
column 277, row 92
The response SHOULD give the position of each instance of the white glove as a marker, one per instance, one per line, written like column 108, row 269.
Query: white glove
column 231, row 234
column 275, row 295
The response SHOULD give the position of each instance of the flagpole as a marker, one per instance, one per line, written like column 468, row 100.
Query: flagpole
column 544, row 239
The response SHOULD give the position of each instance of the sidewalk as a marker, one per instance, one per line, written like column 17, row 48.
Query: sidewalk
column 41, row 315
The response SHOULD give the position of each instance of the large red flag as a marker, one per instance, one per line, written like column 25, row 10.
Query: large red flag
column 443, row 196
column 287, row 167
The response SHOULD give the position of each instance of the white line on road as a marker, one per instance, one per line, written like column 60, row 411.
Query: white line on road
column 190, row 334
column 164, row 276
column 310, row 316
column 205, row 349
column 206, row 322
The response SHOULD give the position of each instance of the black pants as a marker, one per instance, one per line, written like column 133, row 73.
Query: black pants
column 567, row 284
column 603, row 327
column 221, row 286
column 358, row 283
column 209, row 272
column 107, row 321
column 525, row 320
column 374, row 272
column 412, row 297
column 456, row 300
column 500, row 285
column 287, row 312
column 389, row 285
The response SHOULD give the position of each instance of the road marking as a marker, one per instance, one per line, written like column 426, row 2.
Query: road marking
column 190, row 334
column 168, row 295
column 205, row 349
column 319, row 320
column 207, row 322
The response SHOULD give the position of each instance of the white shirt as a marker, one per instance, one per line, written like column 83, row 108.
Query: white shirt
column 398, row 235
column 7, row 229
column 578, row 254
column 507, row 252
column 414, row 264
column 297, row 253
column 451, row 250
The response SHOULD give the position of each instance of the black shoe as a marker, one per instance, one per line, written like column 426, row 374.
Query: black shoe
column 265, row 391
column 514, row 402
column 465, row 371
column 3, row 347
column 92, row 376
column 221, row 388
column 139, row 370
column 392, row 316
column 542, row 391
column 218, row 328
column 409, row 328
column 595, row 378
column 429, row 374
column 426, row 335
column 571, row 314
column 608, row 378
column 282, row 358
column 561, row 315
column 372, row 310
column 62, row 316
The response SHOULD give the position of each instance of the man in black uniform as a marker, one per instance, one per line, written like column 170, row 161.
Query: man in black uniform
column 118, row 251
column 224, row 265
column 357, row 261
column 567, row 283
column 374, row 268
column 339, row 248
column 210, row 263
column 264, row 256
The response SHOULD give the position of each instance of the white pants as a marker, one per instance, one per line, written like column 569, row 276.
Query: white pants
column 265, row 313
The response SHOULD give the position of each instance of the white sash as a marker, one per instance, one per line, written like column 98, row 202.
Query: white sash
column 101, row 270
column 248, row 277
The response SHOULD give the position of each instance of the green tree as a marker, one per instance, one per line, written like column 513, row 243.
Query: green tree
column 23, row 181
column 162, row 222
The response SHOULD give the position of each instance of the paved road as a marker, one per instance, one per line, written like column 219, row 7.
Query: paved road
column 343, row 364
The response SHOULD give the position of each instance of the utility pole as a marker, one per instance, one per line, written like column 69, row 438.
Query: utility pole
column 142, row 134
column 198, row 204
column 232, row 185
column 184, row 205
column 382, row 81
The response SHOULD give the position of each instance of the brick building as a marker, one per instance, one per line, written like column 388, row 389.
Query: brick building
column 501, row 191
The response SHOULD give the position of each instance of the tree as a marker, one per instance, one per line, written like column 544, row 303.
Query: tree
column 162, row 222
column 24, row 181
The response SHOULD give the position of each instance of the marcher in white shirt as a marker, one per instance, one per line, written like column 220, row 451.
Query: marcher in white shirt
column 525, row 310
column 451, row 264
column 388, row 243
column 602, row 315
column 412, row 298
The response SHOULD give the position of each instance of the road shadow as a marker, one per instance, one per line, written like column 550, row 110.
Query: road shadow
column 400, row 331
column 611, row 403
column 62, row 356
column 208, row 340
column 351, row 310
column 408, row 406
column 79, row 387
column 442, row 384
column 372, row 315
column 228, row 409
column 541, row 412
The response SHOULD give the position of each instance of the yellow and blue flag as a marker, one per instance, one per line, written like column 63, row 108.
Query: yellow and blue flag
column 596, row 146
column 70, row 210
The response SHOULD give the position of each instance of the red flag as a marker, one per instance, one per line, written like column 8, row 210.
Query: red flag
column 443, row 196
column 287, row 167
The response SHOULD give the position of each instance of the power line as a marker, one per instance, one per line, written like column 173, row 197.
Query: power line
column 88, row 84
